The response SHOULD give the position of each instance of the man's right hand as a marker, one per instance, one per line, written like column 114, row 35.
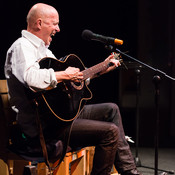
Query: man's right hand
column 71, row 73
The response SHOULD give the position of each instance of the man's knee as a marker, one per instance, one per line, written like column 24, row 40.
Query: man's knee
column 114, row 129
column 113, row 112
column 112, row 133
column 114, row 107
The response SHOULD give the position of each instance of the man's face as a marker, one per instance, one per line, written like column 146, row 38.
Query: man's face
column 49, row 28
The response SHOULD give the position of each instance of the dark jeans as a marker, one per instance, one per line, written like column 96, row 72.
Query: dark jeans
column 100, row 125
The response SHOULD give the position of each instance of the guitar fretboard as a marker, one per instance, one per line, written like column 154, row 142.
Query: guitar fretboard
column 90, row 72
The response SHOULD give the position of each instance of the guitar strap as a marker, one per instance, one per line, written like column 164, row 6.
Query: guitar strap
column 43, row 143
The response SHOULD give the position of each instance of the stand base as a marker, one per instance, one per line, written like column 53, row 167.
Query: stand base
column 163, row 172
column 137, row 161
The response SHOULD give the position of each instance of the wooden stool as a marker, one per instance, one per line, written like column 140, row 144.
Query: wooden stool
column 79, row 163
column 74, row 163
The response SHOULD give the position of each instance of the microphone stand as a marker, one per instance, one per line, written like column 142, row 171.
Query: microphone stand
column 137, row 160
column 156, row 81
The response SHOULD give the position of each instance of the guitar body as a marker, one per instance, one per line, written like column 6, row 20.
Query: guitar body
column 68, row 98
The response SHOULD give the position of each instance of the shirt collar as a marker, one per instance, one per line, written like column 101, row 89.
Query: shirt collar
column 33, row 39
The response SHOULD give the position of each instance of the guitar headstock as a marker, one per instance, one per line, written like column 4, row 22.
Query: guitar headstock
column 117, row 56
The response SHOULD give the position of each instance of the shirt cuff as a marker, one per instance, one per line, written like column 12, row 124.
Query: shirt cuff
column 52, row 79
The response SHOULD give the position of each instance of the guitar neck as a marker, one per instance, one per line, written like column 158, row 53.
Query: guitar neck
column 90, row 72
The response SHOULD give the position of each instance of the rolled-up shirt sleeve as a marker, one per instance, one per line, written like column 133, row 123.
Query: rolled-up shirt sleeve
column 40, row 78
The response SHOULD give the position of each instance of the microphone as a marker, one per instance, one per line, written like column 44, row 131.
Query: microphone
column 89, row 35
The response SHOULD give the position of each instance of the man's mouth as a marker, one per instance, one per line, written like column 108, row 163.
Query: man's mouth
column 52, row 34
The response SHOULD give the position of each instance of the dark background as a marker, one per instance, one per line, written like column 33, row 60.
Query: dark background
column 147, row 28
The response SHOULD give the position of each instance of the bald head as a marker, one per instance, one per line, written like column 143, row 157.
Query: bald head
column 42, row 21
column 39, row 10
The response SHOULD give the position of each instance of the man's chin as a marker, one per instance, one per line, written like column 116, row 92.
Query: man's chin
column 48, row 43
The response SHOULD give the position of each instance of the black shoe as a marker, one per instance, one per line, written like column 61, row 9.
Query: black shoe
column 131, row 172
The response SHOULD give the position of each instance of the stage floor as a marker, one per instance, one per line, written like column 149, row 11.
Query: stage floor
column 166, row 160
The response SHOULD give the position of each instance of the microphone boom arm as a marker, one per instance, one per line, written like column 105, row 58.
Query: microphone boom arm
column 146, row 65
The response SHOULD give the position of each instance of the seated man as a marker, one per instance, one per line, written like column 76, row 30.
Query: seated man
column 98, row 125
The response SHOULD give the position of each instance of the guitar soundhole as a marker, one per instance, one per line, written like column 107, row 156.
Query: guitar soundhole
column 78, row 85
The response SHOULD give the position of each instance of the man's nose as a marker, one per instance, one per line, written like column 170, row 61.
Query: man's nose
column 57, row 28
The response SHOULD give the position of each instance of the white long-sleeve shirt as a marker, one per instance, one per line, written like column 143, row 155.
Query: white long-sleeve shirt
column 22, row 69
column 22, row 62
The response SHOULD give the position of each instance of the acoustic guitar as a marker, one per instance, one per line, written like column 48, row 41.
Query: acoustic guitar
column 68, row 98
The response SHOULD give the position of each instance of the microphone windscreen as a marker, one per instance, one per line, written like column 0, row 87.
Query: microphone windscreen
column 87, row 34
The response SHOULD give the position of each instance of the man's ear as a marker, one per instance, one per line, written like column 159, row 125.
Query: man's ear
column 39, row 23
